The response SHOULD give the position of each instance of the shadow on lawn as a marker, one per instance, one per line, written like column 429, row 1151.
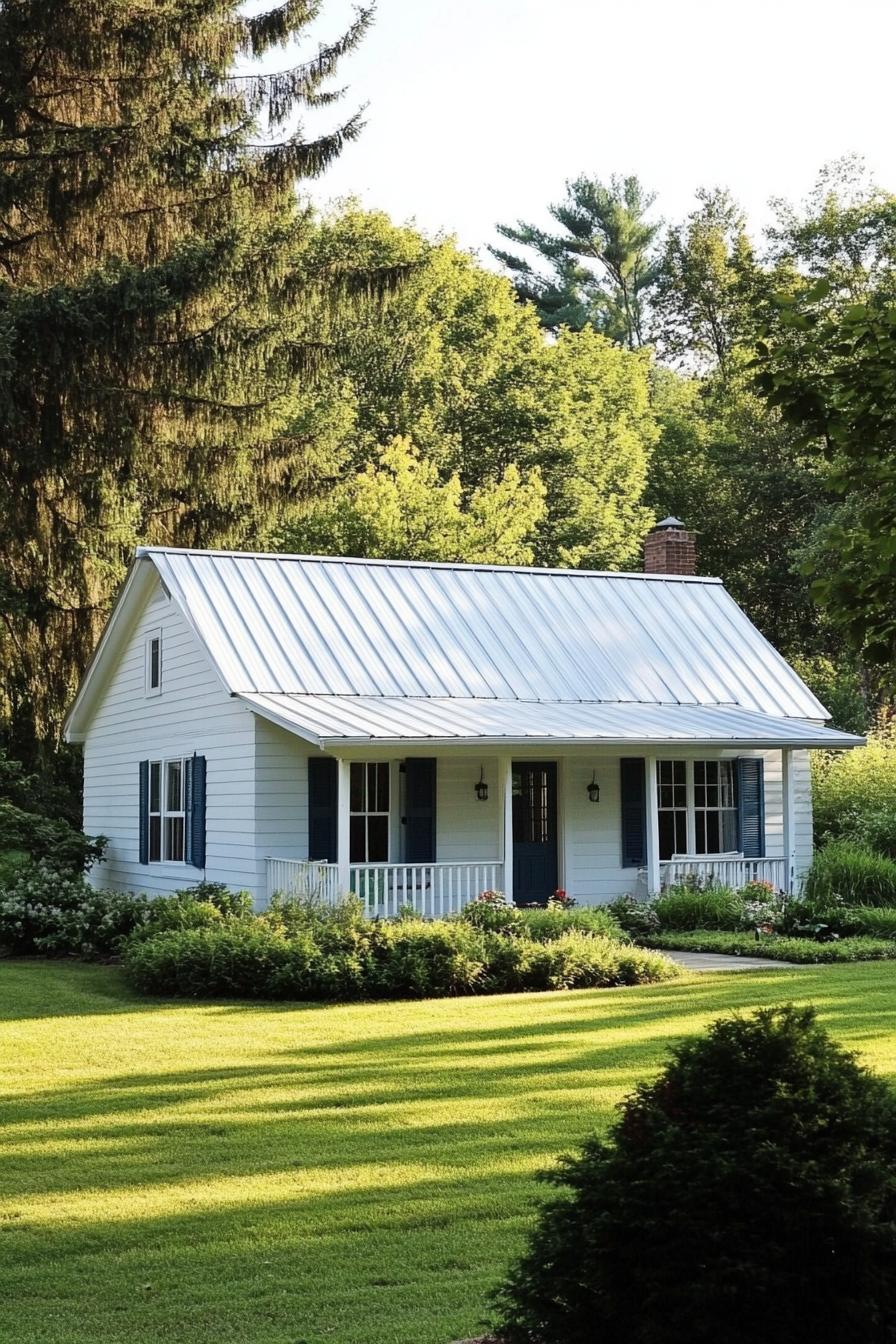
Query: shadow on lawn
column 375, row 1099
column 367, row 1190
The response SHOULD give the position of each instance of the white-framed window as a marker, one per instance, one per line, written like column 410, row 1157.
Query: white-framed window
column 153, row 662
column 715, row 807
column 672, row 805
column 697, row 807
column 166, row 810
column 369, row 812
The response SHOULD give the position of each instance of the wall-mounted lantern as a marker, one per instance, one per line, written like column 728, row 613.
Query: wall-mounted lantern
column 593, row 790
column 481, row 787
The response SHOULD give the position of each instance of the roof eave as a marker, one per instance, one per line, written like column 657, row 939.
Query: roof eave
column 842, row 742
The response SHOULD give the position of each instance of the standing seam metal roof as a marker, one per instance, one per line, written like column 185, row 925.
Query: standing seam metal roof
column 319, row 626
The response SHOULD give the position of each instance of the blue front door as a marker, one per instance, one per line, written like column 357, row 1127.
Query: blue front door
column 534, row 830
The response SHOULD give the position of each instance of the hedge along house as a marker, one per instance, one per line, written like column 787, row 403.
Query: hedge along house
column 419, row 732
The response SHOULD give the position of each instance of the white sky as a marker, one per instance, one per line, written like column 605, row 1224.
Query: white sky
column 481, row 109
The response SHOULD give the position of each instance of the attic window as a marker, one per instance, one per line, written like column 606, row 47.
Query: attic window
column 154, row 663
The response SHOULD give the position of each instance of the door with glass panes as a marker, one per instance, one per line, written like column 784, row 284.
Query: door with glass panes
column 534, row 830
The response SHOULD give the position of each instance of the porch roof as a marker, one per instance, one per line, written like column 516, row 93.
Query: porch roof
column 334, row 721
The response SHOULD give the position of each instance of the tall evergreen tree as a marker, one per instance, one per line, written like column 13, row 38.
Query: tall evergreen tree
column 606, row 224
column 155, row 307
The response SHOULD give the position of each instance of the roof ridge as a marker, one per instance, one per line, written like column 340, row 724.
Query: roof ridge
column 453, row 565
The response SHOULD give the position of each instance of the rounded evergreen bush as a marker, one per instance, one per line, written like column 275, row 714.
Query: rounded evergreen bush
column 747, row 1195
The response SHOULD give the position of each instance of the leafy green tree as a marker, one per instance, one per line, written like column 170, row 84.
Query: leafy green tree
column 455, row 364
column 399, row 508
column 833, row 375
column 752, row 488
column 845, row 234
column 155, row 303
column 594, row 450
column 450, row 362
column 604, row 226
column 701, row 314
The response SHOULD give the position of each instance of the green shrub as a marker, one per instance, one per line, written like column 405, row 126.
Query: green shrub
column 233, row 959
column 874, row 921
column 748, row 1194
column 178, row 911
column 334, row 927
column 382, row 959
column 693, row 907
column 854, row 793
column 12, row 861
column 45, row 838
column 776, row 948
column 53, row 913
column 847, row 874
column 493, row 913
column 230, row 904
column 551, row 922
column 411, row 959
column 634, row 916
column 576, row 959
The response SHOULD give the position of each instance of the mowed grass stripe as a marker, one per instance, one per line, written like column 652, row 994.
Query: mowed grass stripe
column 301, row 1174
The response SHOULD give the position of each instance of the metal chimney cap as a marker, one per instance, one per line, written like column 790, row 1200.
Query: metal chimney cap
column 668, row 524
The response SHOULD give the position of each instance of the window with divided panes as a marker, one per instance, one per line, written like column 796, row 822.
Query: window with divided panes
column 369, row 812
column 166, row 811
column 697, row 807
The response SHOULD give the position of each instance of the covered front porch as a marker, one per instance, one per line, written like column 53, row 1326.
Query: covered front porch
column 432, row 833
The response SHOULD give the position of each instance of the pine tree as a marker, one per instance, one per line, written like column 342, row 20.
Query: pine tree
column 604, row 224
column 156, row 312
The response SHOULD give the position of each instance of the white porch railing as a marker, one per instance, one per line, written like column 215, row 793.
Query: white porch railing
column 303, row 877
column 431, row 889
column 733, row 871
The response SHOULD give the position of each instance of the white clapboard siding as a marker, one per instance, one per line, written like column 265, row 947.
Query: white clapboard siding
column 192, row 713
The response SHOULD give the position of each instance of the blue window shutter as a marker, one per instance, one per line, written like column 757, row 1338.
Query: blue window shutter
column 633, row 811
column 323, row 788
column 143, row 824
column 194, row 809
column 751, row 806
column 420, row 810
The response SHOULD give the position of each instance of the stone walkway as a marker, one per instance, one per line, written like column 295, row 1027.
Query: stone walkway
column 716, row 961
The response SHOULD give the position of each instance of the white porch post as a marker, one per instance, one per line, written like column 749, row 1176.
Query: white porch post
column 787, row 786
column 653, row 827
column 505, row 770
column 342, row 826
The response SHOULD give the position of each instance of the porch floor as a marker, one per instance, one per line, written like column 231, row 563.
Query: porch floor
column 717, row 961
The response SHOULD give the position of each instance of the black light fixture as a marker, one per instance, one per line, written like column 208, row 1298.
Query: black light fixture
column 593, row 790
column 481, row 787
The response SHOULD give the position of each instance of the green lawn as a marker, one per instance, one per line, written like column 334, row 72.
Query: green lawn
column 315, row 1175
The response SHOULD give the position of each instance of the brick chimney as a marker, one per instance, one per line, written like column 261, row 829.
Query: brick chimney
column 669, row 548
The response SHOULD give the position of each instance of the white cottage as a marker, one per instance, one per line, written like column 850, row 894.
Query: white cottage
column 418, row 732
